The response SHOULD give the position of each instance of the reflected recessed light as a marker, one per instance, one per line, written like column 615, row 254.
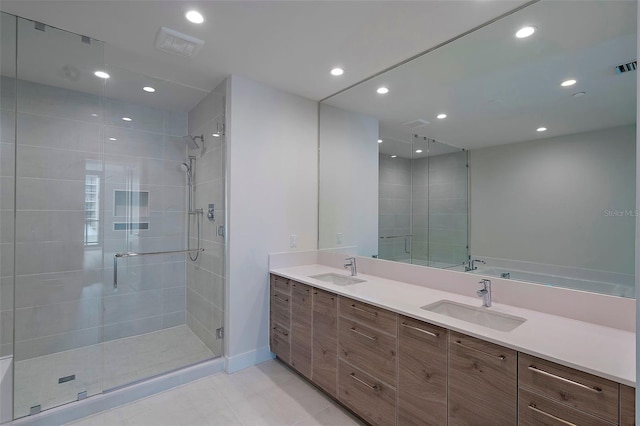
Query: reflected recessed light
column 337, row 71
column 393, row 156
column 568, row 83
column 126, row 119
column 113, row 139
column 101, row 74
column 525, row 32
column 194, row 16
column 216, row 135
column 148, row 89
column 441, row 116
column 579, row 94
column 379, row 140
column 418, row 151
column 382, row 90
column 94, row 114
column 541, row 129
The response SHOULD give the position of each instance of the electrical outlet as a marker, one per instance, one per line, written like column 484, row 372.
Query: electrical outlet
column 293, row 241
column 339, row 238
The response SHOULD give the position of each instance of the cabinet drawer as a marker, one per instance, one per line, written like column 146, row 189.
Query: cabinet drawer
column 281, row 284
column 482, row 382
column 422, row 375
column 370, row 315
column 280, row 343
column 368, row 349
column 372, row 400
column 627, row 405
column 586, row 392
column 536, row 410
column 325, row 341
column 280, row 315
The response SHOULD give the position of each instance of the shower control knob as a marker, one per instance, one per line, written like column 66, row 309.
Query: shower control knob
column 211, row 212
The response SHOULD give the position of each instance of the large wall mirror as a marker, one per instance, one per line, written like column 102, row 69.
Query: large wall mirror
column 495, row 154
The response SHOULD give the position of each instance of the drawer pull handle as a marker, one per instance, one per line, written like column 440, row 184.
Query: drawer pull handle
column 355, row 308
column 372, row 387
column 359, row 333
column 562, row 379
column 410, row 327
column 500, row 357
column 280, row 331
column 280, row 298
column 544, row 413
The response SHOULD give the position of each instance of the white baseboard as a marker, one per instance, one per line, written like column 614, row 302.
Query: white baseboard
column 248, row 359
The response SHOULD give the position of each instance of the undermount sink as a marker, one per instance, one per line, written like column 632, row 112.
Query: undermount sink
column 475, row 315
column 337, row 279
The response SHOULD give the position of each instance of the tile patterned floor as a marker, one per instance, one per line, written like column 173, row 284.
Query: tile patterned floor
column 266, row 394
column 101, row 367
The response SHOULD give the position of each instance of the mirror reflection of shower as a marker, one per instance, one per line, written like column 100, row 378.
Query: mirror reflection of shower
column 190, row 169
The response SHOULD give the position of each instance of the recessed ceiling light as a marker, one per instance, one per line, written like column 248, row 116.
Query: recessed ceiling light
column 113, row 139
column 337, row 71
column 393, row 156
column 194, row 16
column 579, row 94
column 441, row 116
column 379, row 140
column 94, row 114
column 541, row 129
column 382, row 90
column 126, row 119
column 101, row 74
column 148, row 89
column 418, row 151
column 525, row 32
column 568, row 83
column 216, row 135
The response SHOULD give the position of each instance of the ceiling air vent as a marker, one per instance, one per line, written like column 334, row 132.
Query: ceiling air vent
column 172, row 41
column 415, row 123
column 631, row 66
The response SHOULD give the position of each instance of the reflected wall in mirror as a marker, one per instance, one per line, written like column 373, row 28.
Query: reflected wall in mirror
column 550, row 195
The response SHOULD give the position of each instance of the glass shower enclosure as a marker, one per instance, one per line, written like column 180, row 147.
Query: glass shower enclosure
column 423, row 204
column 98, row 291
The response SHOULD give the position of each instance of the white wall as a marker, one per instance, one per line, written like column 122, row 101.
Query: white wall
column 348, row 180
column 272, row 182
column 553, row 194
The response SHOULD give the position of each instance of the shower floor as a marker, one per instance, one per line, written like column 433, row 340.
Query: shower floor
column 103, row 367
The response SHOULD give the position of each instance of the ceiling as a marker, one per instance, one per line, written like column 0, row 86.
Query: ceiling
column 497, row 89
column 285, row 44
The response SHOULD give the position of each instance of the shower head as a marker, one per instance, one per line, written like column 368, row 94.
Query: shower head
column 185, row 168
column 191, row 141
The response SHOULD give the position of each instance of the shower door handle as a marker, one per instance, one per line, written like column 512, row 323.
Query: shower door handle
column 407, row 248
column 148, row 253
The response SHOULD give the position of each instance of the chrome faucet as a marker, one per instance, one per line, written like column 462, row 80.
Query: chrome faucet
column 472, row 264
column 352, row 265
column 485, row 292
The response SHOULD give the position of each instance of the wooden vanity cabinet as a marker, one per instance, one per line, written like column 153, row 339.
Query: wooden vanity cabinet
column 627, row 406
column 482, row 382
column 422, row 373
column 325, row 341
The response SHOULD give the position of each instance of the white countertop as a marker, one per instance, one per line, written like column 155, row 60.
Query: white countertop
column 603, row 351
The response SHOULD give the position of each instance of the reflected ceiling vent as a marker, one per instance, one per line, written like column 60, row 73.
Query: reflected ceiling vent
column 631, row 66
column 419, row 122
column 172, row 41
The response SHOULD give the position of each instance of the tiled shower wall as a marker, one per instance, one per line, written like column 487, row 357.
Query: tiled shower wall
column 206, row 276
column 61, row 278
column 425, row 198
column 394, row 224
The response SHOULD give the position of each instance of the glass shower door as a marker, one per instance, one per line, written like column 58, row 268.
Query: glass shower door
column 58, row 255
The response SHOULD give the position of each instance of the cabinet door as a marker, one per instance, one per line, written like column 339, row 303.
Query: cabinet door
column 280, row 318
column 482, row 382
column 325, row 341
column 301, row 328
column 627, row 405
column 422, row 378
